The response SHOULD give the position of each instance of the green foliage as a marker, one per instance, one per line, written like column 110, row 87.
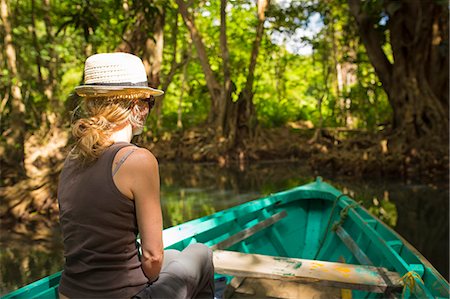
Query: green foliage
column 287, row 85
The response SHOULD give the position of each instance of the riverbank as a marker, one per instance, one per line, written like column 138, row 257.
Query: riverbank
column 340, row 152
column 343, row 152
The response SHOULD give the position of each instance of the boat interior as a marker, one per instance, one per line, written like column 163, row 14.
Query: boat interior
column 307, row 226
column 308, row 242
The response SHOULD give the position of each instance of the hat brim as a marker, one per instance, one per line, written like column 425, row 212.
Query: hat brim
column 96, row 90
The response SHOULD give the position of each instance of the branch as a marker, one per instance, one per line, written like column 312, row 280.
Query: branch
column 372, row 42
column 173, row 69
column 262, row 5
column 174, row 65
column 211, row 81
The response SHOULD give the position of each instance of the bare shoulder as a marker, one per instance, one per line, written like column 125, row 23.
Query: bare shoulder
column 142, row 159
column 139, row 171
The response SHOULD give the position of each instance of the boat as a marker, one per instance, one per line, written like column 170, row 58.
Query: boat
column 312, row 239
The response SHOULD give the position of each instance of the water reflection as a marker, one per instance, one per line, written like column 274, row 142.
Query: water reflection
column 419, row 213
column 24, row 259
column 385, row 210
column 188, row 191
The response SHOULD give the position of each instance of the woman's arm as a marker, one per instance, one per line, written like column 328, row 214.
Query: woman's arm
column 143, row 175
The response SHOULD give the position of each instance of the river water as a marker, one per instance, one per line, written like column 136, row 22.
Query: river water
column 419, row 212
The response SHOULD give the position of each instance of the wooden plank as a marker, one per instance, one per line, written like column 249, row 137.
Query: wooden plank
column 176, row 234
column 345, row 293
column 339, row 275
column 364, row 259
column 274, row 288
column 244, row 234
column 353, row 247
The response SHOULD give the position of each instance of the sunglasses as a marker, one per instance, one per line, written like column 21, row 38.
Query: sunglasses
column 150, row 102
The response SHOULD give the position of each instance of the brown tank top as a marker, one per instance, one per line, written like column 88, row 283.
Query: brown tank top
column 99, row 230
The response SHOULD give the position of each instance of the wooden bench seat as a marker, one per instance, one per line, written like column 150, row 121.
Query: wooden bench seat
column 338, row 275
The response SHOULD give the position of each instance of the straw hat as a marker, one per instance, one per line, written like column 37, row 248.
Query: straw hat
column 115, row 74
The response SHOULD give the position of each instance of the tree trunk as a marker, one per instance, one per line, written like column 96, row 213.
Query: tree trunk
column 153, row 53
column 231, row 120
column 52, row 64
column 50, row 84
column 337, row 72
column 180, row 100
column 420, row 92
column 13, row 153
column 211, row 81
column 150, row 48
column 174, row 66
column 324, row 90
column 214, row 88
column 47, row 84
column 36, row 45
column 153, row 57
column 225, row 98
column 417, row 82
column 247, row 121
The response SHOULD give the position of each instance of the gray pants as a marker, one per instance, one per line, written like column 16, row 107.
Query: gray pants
column 185, row 274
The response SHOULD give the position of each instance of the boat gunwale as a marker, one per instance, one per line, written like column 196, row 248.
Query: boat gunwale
column 314, row 190
column 347, row 201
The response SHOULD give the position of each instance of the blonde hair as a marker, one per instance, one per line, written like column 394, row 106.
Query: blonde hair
column 103, row 115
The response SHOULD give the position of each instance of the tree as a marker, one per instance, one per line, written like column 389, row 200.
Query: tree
column 13, row 153
column 175, row 65
column 233, row 121
column 214, row 87
column 416, row 80
column 145, row 38
column 246, row 121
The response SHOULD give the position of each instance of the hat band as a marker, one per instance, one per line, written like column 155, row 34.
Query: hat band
column 143, row 84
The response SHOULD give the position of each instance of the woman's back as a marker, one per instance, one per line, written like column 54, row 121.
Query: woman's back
column 99, row 229
column 101, row 215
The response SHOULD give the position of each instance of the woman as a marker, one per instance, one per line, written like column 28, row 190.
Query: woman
column 109, row 191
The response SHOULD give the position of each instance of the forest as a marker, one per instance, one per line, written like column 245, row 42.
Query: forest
column 356, row 87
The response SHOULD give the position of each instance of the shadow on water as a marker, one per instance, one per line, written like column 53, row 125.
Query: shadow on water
column 188, row 191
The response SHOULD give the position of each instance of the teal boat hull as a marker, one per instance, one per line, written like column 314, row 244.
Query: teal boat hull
column 314, row 212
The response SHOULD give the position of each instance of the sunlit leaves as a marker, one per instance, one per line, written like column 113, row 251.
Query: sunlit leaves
column 287, row 85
